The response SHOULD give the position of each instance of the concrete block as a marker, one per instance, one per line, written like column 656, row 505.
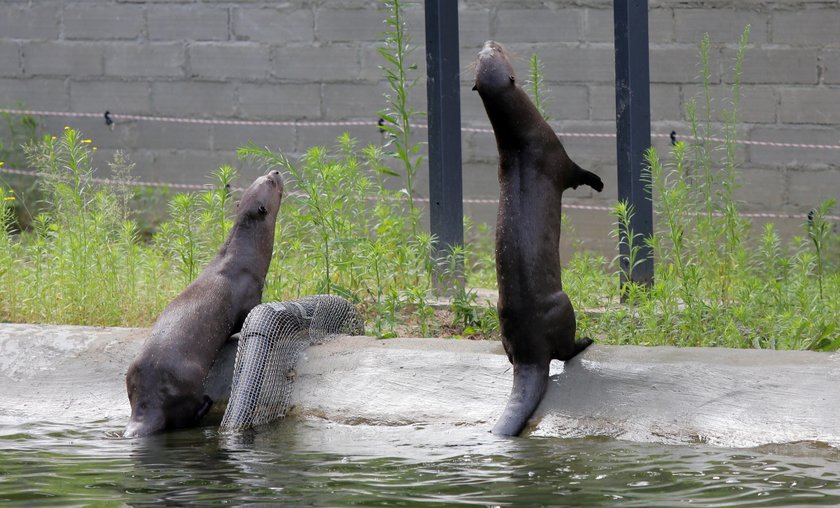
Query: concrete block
column 34, row 22
column 830, row 65
column 284, row 25
column 123, row 135
column 807, row 189
column 225, row 61
column 681, row 64
column 10, row 58
column 228, row 138
column 724, row 26
column 758, row 102
column 577, row 64
column 810, row 105
column 279, row 101
column 102, row 21
column 481, row 182
column 180, row 136
column 479, row 147
column 806, row 27
column 60, row 58
column 660, row 25
column 181, row 22
column 114, row 96
column 54, row 125
column 566, row 102
column 146, row 60
column 589, row 151
column 349, row 25
column 660, row 138
column 186, row 166
column 36, row 93
column 717, row 141
column 473, row 26
column 538, row 25
column 664, row 102
column 326, row 136
column 792, row 156
column 190, row 98
column 360, row 101
column 776, row 66
column 760, row 188
column 599, row 25
column 142, row 159
column 472, row 109
column 311, row 63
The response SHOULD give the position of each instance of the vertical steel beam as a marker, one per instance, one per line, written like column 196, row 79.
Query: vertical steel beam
column 632, row 112
column 446, row 207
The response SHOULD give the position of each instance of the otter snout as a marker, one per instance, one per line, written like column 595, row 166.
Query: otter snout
column 275, row 179
column 489, row 49
column 493, row 70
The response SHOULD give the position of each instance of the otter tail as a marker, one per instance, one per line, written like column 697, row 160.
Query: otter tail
column 529, row 383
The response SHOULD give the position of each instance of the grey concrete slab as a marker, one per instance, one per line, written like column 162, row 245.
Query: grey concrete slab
column 724, row 397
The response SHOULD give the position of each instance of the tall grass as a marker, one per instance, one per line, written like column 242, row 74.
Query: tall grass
column 717, row 283
column 88, row 258
column 397, row 117
column 83, row 260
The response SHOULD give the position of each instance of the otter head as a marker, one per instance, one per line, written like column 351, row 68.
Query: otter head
column 261, row 200
column 493, row 70
column 163, row 400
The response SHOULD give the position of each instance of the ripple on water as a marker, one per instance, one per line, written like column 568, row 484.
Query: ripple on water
column 310, row 462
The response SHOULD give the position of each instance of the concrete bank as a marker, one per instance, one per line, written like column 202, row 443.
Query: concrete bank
column 738, row 398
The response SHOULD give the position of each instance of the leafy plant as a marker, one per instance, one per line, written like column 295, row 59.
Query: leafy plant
column 398, row 115
column 629, row 239
column 536, row 86
column 715, row 285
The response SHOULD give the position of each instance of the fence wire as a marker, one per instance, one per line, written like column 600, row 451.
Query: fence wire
column 111, row 118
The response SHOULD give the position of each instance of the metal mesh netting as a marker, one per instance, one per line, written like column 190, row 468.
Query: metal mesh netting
column 272, row 338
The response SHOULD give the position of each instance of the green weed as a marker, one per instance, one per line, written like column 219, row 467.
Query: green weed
column 715, row 284
column 90, row 257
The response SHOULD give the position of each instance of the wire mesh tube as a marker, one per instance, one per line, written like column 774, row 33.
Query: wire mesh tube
column 272, row 339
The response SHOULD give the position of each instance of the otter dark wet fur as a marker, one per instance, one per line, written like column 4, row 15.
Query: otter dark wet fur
column 165, row 382
column 536, row 316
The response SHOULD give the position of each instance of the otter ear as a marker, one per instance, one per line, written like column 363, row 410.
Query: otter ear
column 512, row 78
column 237, row 204
column 262, row 209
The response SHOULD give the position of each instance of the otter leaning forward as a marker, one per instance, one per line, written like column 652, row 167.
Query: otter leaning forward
column 166, row 381
column 536, row 316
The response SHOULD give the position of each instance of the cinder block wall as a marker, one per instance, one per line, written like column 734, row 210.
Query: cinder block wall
column 317, row 60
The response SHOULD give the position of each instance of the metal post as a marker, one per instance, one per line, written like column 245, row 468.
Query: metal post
column 444, row 109
column 632, row 111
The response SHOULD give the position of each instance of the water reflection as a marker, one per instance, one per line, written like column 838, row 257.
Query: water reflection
column 322, row 463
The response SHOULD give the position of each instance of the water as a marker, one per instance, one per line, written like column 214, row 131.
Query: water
column 320, row 463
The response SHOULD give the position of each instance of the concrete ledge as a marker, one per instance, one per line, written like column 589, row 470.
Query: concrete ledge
column 725, row 397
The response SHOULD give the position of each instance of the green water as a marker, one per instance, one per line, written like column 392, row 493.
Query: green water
column 324, row 464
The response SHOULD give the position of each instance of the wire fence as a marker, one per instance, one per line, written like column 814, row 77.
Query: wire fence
column 112, row 118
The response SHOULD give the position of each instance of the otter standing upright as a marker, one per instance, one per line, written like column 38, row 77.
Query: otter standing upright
column 166, row 381
column 536, row 316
